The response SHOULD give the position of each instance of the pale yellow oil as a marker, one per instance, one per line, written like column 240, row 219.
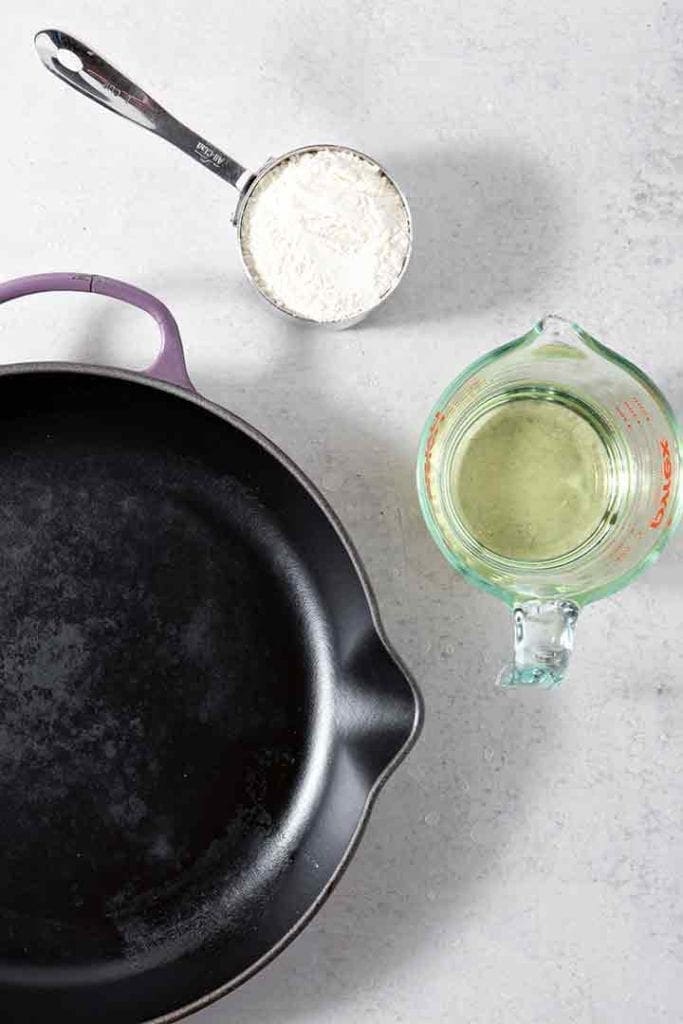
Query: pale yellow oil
column 531, row 479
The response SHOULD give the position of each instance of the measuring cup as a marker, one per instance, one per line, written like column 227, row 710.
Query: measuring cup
column 80, row 67
column 560, row 361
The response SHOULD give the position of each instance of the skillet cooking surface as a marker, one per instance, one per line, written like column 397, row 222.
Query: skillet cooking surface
column 172, row 794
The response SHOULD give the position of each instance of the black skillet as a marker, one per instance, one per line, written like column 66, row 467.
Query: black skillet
column 197, row 703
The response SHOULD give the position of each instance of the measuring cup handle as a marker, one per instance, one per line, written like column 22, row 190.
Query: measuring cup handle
column 84, row 70
column 543, row 642
column 169, row 364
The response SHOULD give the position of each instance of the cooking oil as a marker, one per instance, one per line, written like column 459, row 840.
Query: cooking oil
column 532, row 478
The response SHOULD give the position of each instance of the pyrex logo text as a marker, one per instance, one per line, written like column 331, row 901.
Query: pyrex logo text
column 667, row 470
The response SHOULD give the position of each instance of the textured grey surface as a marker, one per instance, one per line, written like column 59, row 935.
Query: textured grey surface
column 524, row 866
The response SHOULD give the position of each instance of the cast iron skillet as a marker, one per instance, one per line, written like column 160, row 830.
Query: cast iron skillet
column 197, row 703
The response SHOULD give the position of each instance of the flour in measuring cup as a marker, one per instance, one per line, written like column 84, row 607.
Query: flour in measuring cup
column 325, row 234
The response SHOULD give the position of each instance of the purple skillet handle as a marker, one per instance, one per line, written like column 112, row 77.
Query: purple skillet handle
column 168, row 366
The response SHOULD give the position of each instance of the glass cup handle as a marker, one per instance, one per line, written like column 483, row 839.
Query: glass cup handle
column 543, row 642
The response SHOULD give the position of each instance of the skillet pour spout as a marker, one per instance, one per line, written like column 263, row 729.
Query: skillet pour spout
column 380, row 715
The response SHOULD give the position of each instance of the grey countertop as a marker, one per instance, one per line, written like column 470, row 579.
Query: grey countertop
column 524, row 864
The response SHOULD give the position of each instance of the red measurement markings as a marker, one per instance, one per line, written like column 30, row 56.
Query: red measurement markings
column 462, row 397
column 429, row 448
column 641, row 410
column 472, row 386
column 621, row 551
column 631, row 411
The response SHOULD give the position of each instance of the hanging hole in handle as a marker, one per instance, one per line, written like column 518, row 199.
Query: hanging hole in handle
column 69, row 60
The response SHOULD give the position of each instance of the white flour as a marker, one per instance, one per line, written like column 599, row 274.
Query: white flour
column 325, row 234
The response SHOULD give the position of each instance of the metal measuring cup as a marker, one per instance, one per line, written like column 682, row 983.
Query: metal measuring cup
column 80, row 67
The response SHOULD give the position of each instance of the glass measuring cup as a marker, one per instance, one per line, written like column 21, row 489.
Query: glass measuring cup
column 559, row 362
column 80, row 67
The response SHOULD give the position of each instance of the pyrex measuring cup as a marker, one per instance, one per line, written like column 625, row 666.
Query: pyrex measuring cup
column 559, row 362
column 80, row 67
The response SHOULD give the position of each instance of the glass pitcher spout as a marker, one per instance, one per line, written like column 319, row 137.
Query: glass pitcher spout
column 555, row 329
column 543, row 642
